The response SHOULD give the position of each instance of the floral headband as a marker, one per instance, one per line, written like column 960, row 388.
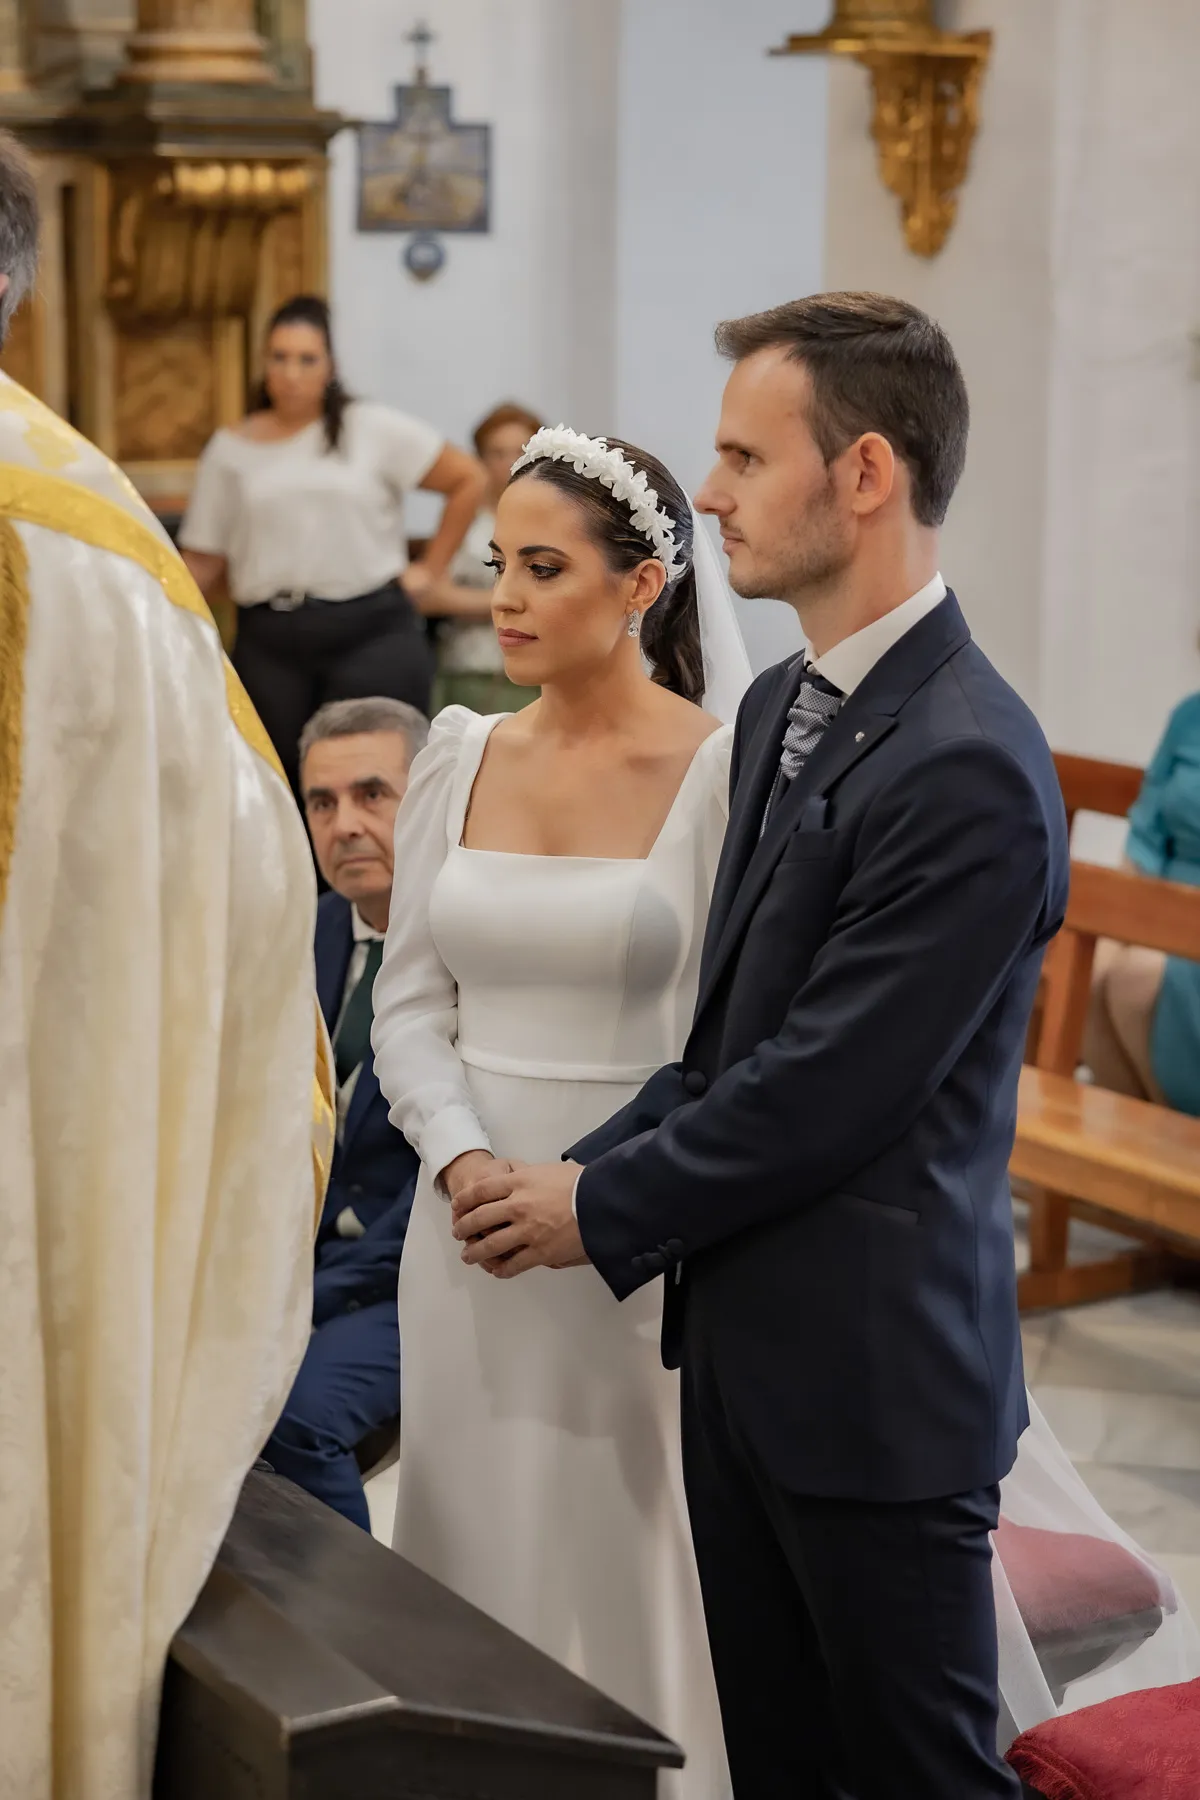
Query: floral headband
column 593, row 457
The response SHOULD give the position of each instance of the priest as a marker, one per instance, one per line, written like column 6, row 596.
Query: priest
column 164, row 1101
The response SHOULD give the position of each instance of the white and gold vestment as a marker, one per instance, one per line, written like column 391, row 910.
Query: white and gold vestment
column 163, row 1110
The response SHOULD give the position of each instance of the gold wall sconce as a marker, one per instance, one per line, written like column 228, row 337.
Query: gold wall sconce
column 926, row 86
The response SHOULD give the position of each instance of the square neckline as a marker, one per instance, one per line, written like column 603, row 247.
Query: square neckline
column 490, row 722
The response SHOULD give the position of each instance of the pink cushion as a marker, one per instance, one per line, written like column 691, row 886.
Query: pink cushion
column 1139, row 1747
column 1062, row 1581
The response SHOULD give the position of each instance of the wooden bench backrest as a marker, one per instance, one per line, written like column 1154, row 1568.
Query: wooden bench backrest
column 1108, row 903
column 1100, row 787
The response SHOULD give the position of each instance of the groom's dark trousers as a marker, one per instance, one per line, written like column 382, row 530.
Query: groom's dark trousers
column 822, row 1184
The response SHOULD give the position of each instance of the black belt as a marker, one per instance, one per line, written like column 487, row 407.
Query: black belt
column 295, row 598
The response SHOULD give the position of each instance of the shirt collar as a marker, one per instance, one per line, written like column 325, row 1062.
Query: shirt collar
column 363, row 933
column 849, row 663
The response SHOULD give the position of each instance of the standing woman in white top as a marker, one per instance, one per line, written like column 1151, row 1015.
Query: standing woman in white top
column 301, row 508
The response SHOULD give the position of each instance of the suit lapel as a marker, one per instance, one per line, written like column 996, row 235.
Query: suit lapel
column 866, row 719
column 853, row 735
column 759, row 766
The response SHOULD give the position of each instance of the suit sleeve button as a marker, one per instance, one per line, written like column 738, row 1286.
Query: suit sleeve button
column 694, row 1082
column 673, row 1248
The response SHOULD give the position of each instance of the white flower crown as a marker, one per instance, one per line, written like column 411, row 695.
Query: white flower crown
column 592, row 457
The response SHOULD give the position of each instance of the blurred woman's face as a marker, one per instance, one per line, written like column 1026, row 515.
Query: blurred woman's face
column 298, row 370
column 501, row 448
column 560, row 612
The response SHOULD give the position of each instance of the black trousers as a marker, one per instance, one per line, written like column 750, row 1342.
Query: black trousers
column 854, row 1643
column 293, row 662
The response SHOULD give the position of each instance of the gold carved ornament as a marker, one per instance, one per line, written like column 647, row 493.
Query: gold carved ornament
column 185, row 240
column 926, row 102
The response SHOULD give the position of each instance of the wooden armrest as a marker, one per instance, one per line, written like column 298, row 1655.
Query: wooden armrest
column 1127, row 1156
column 1089, row 785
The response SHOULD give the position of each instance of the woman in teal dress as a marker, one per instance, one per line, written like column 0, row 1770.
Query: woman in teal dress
column 1144, row 1029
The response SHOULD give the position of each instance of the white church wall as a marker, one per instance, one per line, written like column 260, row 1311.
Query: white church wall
column 990, row 289
column 1121, row 606
column 526, row 311
column 721, row 199
column 654, row 171
column 1070, row 286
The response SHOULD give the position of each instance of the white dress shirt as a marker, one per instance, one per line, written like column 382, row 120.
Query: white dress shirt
column 849, row 663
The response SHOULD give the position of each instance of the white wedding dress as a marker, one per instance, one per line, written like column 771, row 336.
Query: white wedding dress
column 522, row 1001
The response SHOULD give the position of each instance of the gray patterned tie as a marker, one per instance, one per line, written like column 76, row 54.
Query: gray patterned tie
column 811, row 714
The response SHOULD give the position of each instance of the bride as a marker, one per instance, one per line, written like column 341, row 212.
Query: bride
column 553, row 875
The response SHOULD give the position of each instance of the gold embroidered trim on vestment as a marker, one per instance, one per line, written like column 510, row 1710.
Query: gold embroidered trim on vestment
column 324, row 1131
column 14, row 625
column 49, row 439
column 35, row 497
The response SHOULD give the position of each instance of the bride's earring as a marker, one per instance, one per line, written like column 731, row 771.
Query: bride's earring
column 634, row 627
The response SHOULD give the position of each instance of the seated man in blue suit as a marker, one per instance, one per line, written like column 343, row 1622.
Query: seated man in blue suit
column 354, row 762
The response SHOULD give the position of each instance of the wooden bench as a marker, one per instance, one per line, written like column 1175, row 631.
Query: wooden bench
column 316, row 1665
column 1132, row 1165
column 1109, row 788
column 1098, row 787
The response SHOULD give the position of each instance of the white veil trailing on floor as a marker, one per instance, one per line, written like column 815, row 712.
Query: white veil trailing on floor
column 1083, row 1614
column 727, row 671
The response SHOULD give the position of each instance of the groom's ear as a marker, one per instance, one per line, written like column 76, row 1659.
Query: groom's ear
column 871, row 472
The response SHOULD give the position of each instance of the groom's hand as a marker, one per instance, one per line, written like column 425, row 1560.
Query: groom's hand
column 520, row 1220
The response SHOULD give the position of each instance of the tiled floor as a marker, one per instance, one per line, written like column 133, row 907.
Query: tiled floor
column 1119, row 1383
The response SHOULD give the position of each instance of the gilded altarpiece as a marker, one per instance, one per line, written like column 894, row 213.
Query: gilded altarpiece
column 183, row 172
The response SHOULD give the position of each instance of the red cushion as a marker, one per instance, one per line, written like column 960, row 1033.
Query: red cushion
column 1139, row 1747
column 1065, row 1582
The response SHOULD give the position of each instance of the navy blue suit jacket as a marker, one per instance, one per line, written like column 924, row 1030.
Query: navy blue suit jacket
column 823, row 1179
column 374, row 1168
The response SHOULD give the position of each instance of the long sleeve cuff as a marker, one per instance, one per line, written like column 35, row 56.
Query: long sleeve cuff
column 451, row 1133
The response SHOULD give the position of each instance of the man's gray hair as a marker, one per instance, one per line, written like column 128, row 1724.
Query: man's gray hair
column 350, row 718
column 19, row 223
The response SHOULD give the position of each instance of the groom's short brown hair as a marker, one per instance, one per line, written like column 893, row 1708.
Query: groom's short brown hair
column 876, row 364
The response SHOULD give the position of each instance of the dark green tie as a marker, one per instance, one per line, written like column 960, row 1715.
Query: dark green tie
column 353, row 1038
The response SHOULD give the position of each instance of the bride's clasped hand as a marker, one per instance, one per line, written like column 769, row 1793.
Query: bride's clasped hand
column 517, row 1217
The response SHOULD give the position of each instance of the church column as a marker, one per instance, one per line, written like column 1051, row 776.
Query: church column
column 196, row 41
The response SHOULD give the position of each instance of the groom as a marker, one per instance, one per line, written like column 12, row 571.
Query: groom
column 822, row 1180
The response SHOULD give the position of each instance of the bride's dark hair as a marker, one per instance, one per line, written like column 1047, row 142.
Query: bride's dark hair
column 671, row 628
